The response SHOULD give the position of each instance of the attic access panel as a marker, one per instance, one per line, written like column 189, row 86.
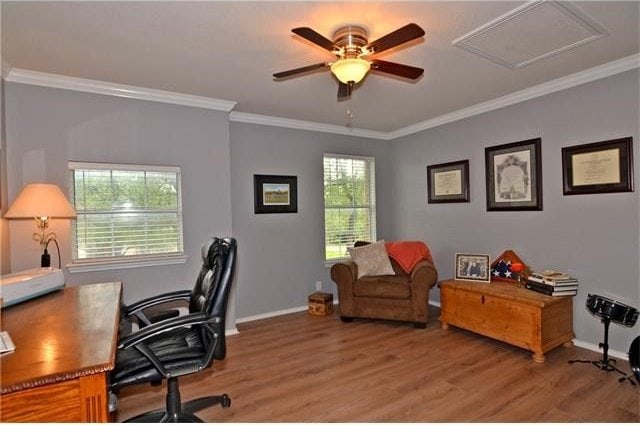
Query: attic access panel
column 530, row 33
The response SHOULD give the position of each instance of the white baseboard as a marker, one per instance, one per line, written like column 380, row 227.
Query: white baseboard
column 271, row 314
column 592, row 347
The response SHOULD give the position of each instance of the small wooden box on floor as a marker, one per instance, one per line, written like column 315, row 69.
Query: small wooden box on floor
column 508, row 313
column 320, row 304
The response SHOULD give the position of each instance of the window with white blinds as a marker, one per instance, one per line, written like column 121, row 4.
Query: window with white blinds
column 125, row 211
column 349, row 203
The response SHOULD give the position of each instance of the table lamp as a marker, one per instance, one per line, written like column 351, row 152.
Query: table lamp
column 41, row 202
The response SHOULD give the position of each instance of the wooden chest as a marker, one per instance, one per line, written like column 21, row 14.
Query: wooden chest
column 320, row 304
column 508, row 313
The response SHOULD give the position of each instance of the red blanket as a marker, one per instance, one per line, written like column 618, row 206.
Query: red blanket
column 408, row 253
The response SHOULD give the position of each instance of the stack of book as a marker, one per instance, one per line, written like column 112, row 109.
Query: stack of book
column 554, row 283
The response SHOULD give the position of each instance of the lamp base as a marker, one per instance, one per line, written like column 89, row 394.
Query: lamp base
column 45, row 259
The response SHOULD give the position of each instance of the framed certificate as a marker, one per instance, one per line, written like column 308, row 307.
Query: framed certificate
column 514, row 176
column 448, row 182
column 600, row 167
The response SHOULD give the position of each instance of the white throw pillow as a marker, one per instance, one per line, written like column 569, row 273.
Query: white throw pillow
column 372, row 260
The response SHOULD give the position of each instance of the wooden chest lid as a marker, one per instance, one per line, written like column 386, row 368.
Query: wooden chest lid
column 503, row 290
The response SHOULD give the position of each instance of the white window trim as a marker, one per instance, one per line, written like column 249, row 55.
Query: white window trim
column 93, row 264
column 74, row 165
column 374, row 205
column 83, row 266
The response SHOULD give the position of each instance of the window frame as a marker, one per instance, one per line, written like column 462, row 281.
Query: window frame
column 370, row 162
column 79, row 265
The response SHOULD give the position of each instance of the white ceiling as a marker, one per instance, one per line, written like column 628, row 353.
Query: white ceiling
column 229, row 50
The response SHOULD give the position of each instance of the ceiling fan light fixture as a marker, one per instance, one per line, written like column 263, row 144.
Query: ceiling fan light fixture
column 350, row 69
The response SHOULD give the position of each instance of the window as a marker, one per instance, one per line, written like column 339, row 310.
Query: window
column 125, row 212
column 349, row 203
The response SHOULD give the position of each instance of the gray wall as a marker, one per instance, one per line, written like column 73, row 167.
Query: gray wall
column 281, row 256
column 4, row 228
column 5, row 258
column 593, row 237
column 48, row 127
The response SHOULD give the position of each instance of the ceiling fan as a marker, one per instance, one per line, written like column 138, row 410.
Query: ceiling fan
column 355, row 55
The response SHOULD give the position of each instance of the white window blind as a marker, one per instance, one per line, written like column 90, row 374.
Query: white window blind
column 349, row 203
column 125, row 211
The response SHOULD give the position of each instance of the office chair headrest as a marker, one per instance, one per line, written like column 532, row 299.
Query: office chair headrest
column 207, row 257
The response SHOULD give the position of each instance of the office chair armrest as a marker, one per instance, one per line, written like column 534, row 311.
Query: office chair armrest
column 182, row 295
column 166, row 325
column 153, row 359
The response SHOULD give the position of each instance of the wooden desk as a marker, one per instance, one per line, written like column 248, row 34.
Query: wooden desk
column 65, row 347
column 505, row 312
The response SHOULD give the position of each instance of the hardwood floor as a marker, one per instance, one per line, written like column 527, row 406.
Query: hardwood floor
column 301, row 368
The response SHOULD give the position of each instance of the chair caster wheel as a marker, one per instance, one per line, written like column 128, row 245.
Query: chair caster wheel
column 226, row 401
column 346, row 319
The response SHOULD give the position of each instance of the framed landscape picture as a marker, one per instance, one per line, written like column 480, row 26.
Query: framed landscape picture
column 448, row 182
column 473, row 267
column 275, row 194
column 600, row 167
column 514, row 176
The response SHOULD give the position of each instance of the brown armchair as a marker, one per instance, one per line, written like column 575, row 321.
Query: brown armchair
column 403, row 297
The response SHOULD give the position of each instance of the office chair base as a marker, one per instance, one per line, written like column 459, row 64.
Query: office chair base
column 198, row 404
column 181, row 412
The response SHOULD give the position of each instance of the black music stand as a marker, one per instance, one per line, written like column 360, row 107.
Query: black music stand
column 605, row 363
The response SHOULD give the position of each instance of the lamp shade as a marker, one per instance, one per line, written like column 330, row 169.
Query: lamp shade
column 353, row 69
column 41, row 200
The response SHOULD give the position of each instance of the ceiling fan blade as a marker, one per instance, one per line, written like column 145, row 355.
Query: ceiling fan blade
column 398, row 69
column 401, row 35
column 302, row 70
column 344, row 90
column 314, row 37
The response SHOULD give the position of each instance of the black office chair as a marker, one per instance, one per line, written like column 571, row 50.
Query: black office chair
column 182, row 345
column 158, row 307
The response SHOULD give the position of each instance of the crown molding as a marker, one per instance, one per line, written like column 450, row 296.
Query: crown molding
column 5, row 68
column 44, row 79
column 306, row 125
column 562, row 83
column 101, row 87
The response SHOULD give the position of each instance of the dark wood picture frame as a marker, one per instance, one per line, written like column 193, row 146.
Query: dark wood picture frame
column 514, row 176
column 473, row 267
column 448, row 182
column 592, row 168
column 275, row 194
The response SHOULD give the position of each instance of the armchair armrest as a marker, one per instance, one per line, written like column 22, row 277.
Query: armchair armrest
column 344, row 272
column 424, row 272
column 344, row 275
column 182, row 295
column 423, row 277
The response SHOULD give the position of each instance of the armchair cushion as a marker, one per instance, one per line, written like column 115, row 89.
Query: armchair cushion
column 371, row 259
column 395, row 287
